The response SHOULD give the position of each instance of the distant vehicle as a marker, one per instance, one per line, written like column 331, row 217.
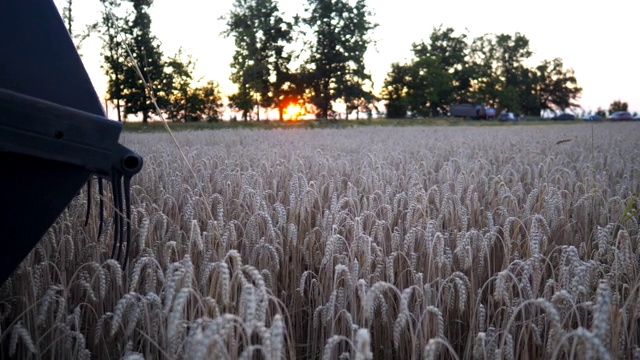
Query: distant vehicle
column 620, row 115
column 592, row 118
column 490, row 113
column 508, row 116
column 469, row 111
column 637, row 117
column 564, row 116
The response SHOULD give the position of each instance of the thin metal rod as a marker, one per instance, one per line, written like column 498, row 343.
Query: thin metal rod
column 127, row 201
column 89, row 201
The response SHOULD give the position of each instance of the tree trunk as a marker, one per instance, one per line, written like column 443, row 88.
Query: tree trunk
column 118, row 110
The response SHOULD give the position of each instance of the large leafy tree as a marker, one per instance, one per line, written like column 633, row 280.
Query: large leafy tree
column 114, row 53
column 395, row 89
column 490, row 70
column 486, row 82
column 211, row 99
column 438, row 75
column 142, row 83
column 69, row 22
column 186, row 103
column 450, row 52
column 335, row 66
column 498, row 61
column 430, row 87
column 511, row 52
column 260, row 62
column 618, row 105
column 183, row 103
column 557, row 88
column 502, row 79
column 528, row 91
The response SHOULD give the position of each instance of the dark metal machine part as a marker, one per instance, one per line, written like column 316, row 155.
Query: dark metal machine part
column 53, row 132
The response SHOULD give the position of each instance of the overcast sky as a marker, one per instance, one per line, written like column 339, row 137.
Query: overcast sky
column 597, row 39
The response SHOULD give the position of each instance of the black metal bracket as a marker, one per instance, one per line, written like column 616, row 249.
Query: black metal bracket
column 53, row 133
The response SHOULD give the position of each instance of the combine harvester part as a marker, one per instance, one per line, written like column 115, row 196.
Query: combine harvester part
column 54, row 135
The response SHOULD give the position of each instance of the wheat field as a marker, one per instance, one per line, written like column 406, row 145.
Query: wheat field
column 364, row 243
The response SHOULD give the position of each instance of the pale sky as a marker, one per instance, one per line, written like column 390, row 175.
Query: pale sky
column 597, row 39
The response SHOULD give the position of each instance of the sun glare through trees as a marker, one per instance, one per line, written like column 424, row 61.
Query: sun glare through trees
column 292, row 112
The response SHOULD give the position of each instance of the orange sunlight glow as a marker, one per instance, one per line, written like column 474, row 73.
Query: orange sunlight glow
column 292, row 112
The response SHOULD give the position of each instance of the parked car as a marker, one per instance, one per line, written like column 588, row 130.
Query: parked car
column 620, row 115
column 490, row 113
column 508, row 116
column 468, row 111
column 564, row 116
column 592, row 118
column 637, row 117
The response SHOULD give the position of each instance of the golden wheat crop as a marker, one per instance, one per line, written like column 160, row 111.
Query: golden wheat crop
column 386, row 243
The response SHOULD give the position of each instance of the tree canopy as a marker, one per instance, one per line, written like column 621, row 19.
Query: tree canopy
column 489, row 70
column 260, row 64
column 141, row 77
column 142, row 82
column 316, row 59
column 335, row 67
column 114, row 53
column 618, row 105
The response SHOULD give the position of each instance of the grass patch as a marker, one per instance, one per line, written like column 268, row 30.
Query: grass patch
column 320, row 124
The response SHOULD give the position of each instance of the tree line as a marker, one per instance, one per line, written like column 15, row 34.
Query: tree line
column 337, row 37
column 271, row 72
column 489, row 70
column 615, row 106
column 141, row 79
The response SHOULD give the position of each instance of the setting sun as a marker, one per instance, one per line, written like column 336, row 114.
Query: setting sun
column 292, row 112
